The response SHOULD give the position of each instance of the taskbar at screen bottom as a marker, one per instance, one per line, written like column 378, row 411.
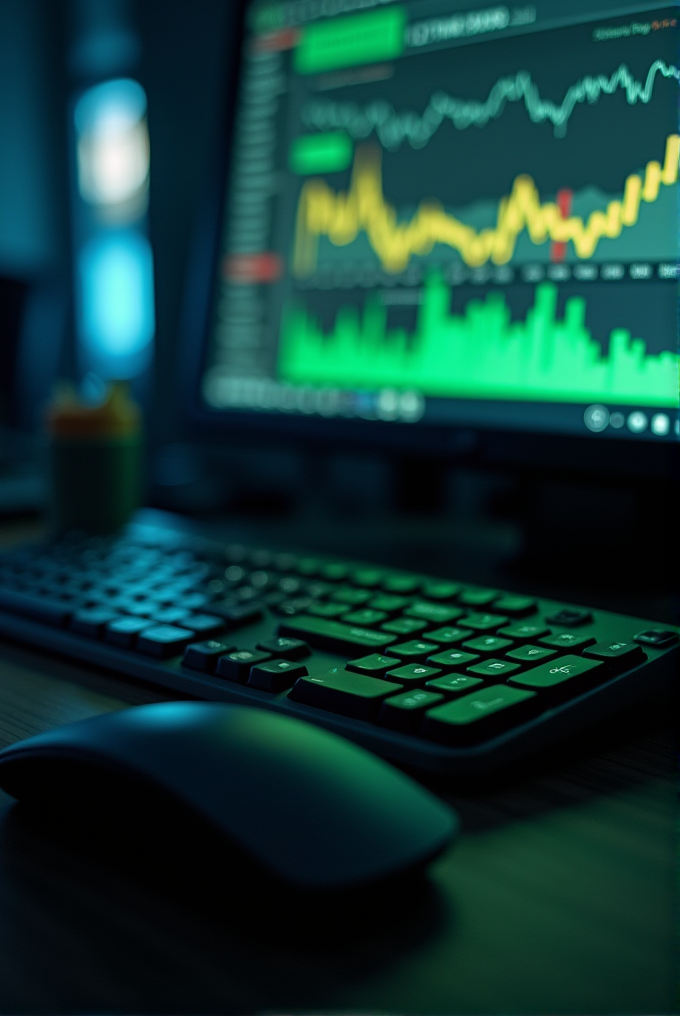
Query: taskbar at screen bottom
column 262, row 395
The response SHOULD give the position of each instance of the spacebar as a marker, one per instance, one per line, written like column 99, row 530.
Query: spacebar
column 322, row 633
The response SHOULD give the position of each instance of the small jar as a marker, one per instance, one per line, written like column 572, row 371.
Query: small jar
column 95, row 461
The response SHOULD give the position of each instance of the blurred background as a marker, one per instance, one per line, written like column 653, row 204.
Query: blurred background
column 109, row 114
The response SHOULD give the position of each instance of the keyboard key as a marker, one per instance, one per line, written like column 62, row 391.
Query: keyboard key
column 163, row 640
column 435, row 613
column 193, row 601
column 570, row 617
column 341, row 691
column 45, row 609
column 236, row 615
column 441, row 590
column 477, row 597
column 617, row 655
column 323, row 633
column 404, row 625
column 285, row 649
column 170, row 615
column 135, row 608
column 125, row 630
column 328, row 609
column 261, row 558
column 335, row 571
column 493, row 668
column 483, row 622
column 234, row 574
column 204, row 655
column 412, row 673
column 92, row 622
column 309, row 566
column 275, row 675
column 452, row 658
column 284, row 562
column 525, row 632
column 290, row 585
column 657, row 637
column 355, row 597
column 235, row 666
column 403, row 584
column 448, row 635
column 204, row 624
column 261, row 580
column 454, row 684
column 365, row 616
column 530, row 654
column 567, row 640
column 488, row 644
column 405, row 712
column 291, row 608
column 317, row 589
column 549, row 675
column 515, row 606
column 388, row 602
column 414, row 650
column 373, row 665
column 478, row 716
column 368, row 578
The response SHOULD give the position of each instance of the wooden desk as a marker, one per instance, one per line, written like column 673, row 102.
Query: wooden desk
column 558, row 897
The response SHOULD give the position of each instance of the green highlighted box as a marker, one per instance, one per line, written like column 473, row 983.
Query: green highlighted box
column 346, row 42
column 321, row 153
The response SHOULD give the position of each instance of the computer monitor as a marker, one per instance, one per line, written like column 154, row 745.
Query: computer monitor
column 441, row 217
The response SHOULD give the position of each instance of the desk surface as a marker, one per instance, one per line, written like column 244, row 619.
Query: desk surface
column 558, row 897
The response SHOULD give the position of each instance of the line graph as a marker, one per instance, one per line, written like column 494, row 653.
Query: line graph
column 393, row 128
column 342, row 216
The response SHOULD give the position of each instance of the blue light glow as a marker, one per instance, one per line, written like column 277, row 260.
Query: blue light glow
column 112, row 145
column 117, row 319
column 114, row 100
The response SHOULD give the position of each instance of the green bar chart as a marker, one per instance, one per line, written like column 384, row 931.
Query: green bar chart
column 480, row 353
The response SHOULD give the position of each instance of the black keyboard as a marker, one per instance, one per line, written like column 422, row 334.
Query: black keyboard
column 429, row 672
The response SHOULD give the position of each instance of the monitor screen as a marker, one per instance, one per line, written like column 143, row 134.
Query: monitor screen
column 449, row 214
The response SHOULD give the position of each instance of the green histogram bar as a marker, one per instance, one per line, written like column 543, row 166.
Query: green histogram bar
column 481, row 354
column 346, row 42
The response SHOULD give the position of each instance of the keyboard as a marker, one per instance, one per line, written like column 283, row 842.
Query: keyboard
column 428, row 672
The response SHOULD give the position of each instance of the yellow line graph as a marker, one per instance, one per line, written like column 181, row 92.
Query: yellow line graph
column 342, row 216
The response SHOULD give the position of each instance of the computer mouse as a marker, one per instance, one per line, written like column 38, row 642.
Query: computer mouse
column 310, row 807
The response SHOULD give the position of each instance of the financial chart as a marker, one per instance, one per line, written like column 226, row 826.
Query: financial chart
column 431, row 207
